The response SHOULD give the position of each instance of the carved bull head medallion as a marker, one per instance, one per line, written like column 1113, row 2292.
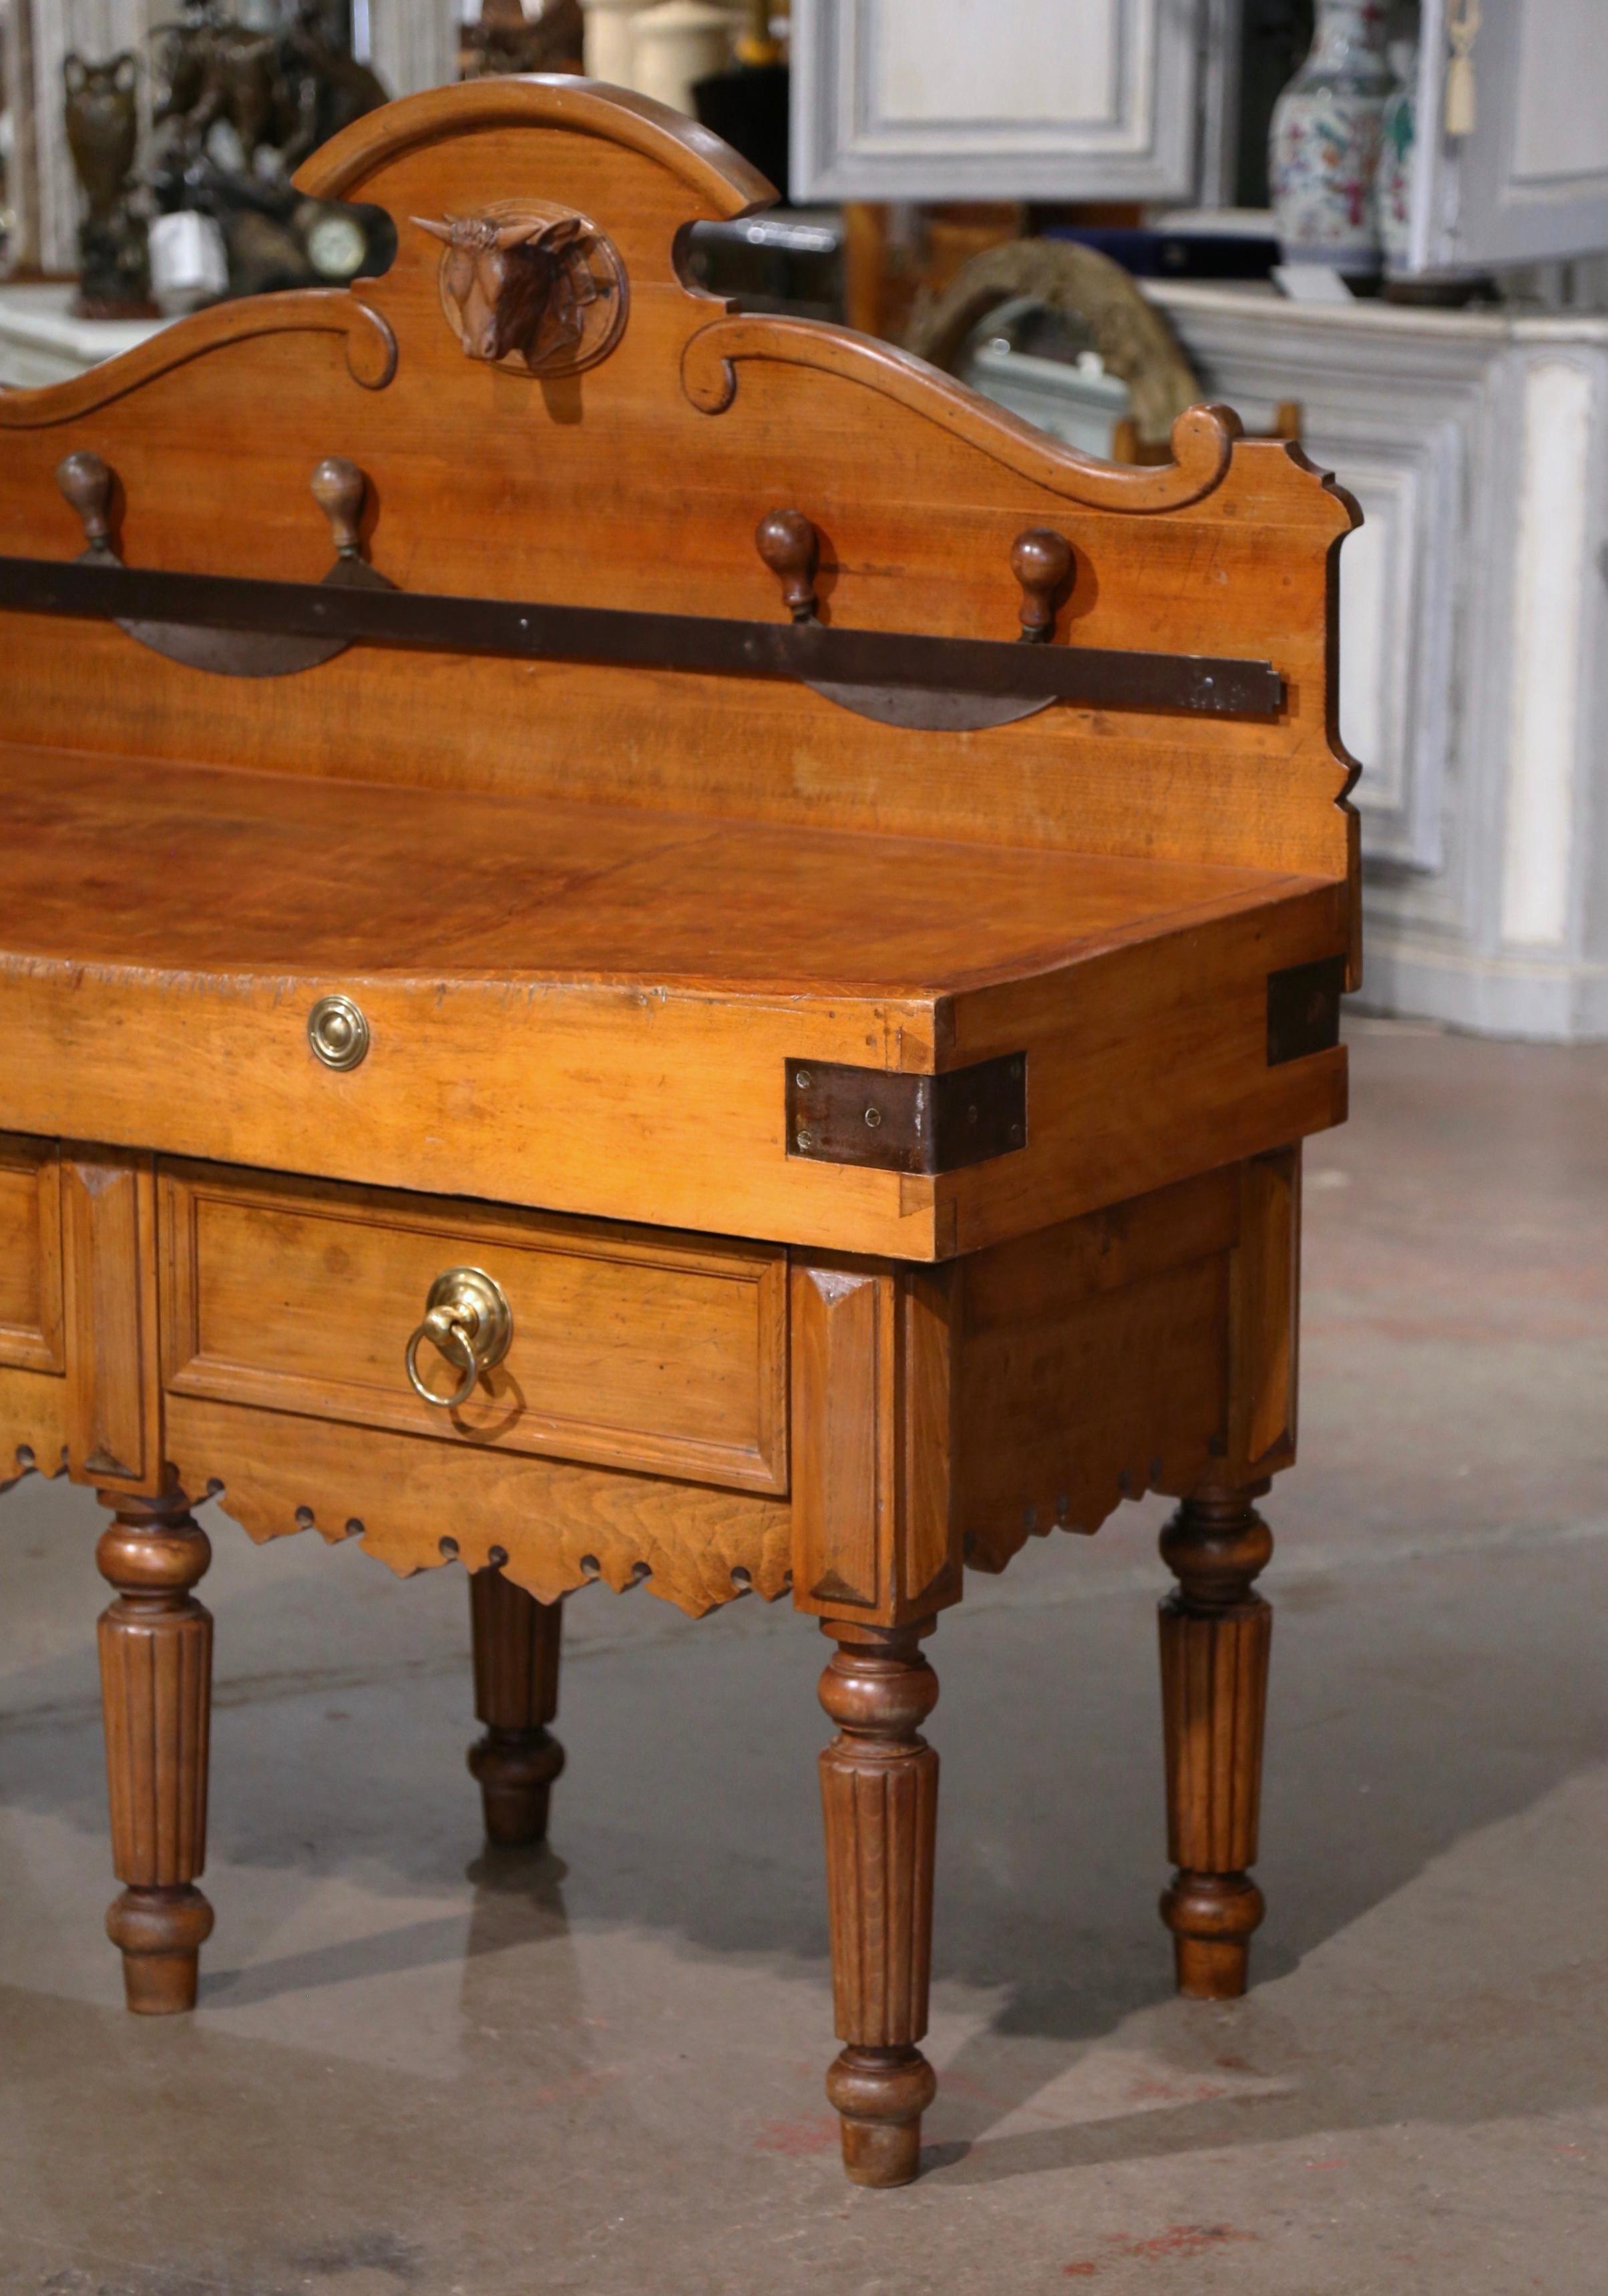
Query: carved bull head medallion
column 530, row 285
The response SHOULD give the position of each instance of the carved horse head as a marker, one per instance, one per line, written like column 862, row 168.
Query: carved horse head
column 518, row 287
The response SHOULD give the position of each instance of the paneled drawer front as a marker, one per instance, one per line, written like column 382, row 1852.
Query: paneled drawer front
column 30, row 1255
column 632, row 1347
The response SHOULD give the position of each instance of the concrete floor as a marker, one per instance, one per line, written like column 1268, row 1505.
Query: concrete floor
column 419, row 2069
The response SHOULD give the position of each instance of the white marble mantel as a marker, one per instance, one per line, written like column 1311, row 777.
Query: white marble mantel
column 1474, row 631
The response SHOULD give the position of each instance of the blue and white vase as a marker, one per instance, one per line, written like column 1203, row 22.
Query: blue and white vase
column 1326, row 141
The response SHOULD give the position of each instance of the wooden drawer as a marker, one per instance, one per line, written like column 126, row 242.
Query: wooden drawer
column 30, row 1255
column 632, row 1348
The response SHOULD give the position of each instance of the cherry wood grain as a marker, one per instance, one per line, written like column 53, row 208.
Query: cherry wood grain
column 633, row 1347
column 917, row 488
column 517, row 1761
column 1093, row 1365
column 370, row 352
column 33, row 1386
column 30, row 1256
column 156, row 1683
column 416, row 882
column 1202, row 436
column 113, row 1374
column 873, row 1398
column 1265, row 1320
column 1215, row 1635
column 878, row 1794
column 620, row 119
column 33, row 1425
column 416, row 1505
column 590, row 1008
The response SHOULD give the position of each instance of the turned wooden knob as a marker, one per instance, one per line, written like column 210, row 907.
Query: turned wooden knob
column 338, row 489
column 87, row 483
column 1041, row 560
column 792, row 549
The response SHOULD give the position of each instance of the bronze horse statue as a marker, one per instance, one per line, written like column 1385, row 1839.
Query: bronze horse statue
column 287, row 93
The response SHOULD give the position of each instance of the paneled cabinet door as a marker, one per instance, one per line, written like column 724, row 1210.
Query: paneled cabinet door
column 1031, row 99
column 1530, row 181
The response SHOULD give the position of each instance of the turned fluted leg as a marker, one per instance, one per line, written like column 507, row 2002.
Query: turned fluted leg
column 1215, row 1634
column 879, row 1788
column 156, row 1691
column 516, row 1642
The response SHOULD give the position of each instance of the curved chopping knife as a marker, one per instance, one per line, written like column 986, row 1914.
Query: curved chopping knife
column 338, row 489
column 1042, row 562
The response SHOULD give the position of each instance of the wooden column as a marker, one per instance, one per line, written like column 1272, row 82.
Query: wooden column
column 876, row 1552
column 516, row 1643
column 156, row 1689
column 1215, row 1636
column 879, row 1790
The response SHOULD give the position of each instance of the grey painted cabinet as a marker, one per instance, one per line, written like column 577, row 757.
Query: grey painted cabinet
column 1531, row 180
column 982, row 99
column 1134, row 100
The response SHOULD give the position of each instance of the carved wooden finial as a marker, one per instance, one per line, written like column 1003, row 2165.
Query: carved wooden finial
column 1041, row 560
column 86, row 482
column 790, row 547
column 339, row 489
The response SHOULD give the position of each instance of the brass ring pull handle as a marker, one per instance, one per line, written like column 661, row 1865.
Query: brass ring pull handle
column 468, row 1319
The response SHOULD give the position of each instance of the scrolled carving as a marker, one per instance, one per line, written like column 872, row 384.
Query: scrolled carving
column 371, row 351
column 530, row 285
column 1202, row 436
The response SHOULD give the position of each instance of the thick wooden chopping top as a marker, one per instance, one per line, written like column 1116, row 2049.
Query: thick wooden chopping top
column 186, row 871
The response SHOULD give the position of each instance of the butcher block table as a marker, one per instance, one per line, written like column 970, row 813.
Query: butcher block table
column 650, row 945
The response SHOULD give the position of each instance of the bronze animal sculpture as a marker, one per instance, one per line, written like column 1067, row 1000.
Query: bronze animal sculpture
column 279, row 96
column 103, row 134
column 103, row 126
column 321, row 88
column 287, row 93
column 519, row 288
column 214, row 70
column 505, row 40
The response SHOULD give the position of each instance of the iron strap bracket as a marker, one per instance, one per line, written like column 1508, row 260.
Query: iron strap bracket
column 1303, row 1009
column 1097, row 677
column 888, row 1122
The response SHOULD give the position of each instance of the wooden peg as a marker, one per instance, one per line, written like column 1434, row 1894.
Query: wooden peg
column 339, row 489
column 87, row 483
column 1042, row 561
column 790, row 547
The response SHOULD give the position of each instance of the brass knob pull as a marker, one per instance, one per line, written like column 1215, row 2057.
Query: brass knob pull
column 337, row 1032
column 468, row 1320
